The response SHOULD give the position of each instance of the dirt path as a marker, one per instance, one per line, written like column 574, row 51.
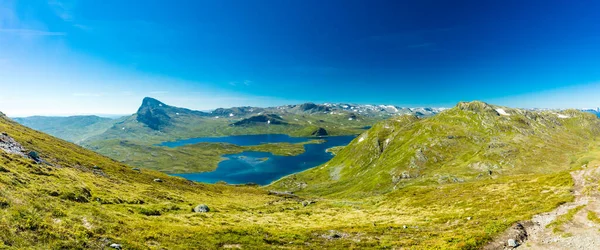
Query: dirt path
column 578, row 233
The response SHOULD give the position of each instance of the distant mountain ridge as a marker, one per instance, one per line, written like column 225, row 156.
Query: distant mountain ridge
column 72, row 128
column 158, row 121
column 595, row 111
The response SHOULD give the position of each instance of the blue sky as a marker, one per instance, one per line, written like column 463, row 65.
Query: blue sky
column 62, row 57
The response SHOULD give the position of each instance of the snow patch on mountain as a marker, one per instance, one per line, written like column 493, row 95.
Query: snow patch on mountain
column 502, row 112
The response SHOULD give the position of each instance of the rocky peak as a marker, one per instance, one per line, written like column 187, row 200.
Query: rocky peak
column 153, row 114
column 151, row 102
column 477, row 107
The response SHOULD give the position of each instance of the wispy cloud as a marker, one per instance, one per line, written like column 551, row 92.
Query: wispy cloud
column 11, row 24
column 247, row 82
column 82, row 27
column 31, row 32
column 62, row 9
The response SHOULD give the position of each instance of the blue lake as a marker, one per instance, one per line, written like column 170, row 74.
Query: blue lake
column 251, row 167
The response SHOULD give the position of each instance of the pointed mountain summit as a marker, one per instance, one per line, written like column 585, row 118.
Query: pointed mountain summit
column 153, row 113
column 157, row 115
column 151, row 102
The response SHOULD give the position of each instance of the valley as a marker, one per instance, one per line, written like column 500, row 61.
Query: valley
column 406, row 182
column 139, row 139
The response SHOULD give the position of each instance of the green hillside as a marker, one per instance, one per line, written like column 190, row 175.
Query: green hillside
column 73, row 128
column 470, row 142
column 75, row 199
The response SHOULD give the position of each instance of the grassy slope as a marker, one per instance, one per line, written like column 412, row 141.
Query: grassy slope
column 70, row 206
column 74, row 129
column 464, row 143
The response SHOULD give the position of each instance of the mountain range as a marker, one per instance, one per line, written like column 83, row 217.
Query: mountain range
column 159, row 121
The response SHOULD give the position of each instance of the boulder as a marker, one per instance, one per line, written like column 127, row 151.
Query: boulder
column 158, row 180
column 201, row 209
column 512, row 243
column 34, row 156
column 116, row 246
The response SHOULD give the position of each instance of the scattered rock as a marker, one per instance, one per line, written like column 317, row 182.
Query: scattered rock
column 158, row 180
column 511, row 238
column 332, row 235
column 201, row 209
column 405, row 175
column 100, row 173
column 116, row 246
column 512, row 243
column 469, row 218
column 283, row 194
column 95, row 167
column 136, row 169
column 306, row 203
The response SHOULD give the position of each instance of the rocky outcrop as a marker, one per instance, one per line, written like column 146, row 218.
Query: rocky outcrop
column 320, row 132
column 9, row 145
